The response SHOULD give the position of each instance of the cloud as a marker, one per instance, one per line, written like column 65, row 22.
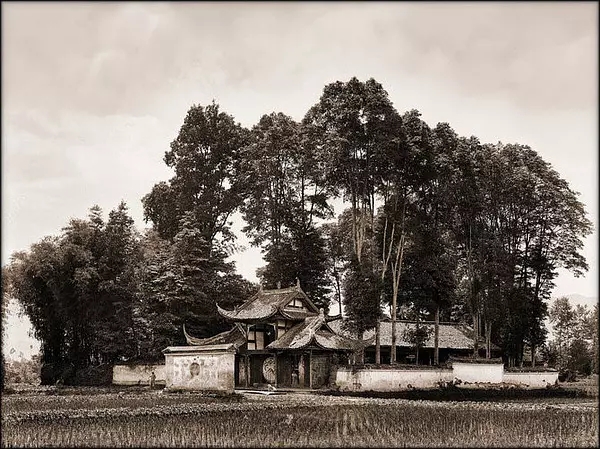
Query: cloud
column 93, row 160
column 93, row 93
column 33, row 148
column 538, row 56
column 108, row 58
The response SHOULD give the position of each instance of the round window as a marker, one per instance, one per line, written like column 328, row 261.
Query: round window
column 194, row 369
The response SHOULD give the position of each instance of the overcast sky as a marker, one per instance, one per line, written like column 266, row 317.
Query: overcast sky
column 93, row 93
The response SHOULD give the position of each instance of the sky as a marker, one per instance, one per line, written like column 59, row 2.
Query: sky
column 93, row 93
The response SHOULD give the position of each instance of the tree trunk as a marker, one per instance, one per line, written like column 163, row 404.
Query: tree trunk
column 418, row 342
column 339, row 294
column 533, row 355
column 436, row 338
column 521, row 349
column 377, row 343
column 488, row 338
column 396, row 272
column 489, row 343
column 359, row 355
column 475, row 334
column 393, row 345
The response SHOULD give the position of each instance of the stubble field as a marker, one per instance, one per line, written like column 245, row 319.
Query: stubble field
column 154, row 419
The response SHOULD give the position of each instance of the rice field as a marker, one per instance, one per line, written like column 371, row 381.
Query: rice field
column 153, row 419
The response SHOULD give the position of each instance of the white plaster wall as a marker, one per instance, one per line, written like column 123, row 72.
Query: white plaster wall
column 215, row 371
column 478, row 372
column 138, row 374
column 390, row 379
column 532, row 379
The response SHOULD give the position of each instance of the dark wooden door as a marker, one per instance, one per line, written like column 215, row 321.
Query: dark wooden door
column 256, row 376
column 285, row 368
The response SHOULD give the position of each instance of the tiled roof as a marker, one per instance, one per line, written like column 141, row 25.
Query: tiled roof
column 297, row 314
column 451, row 336
column 313, row 331
column 267, row 303
column 233, row 336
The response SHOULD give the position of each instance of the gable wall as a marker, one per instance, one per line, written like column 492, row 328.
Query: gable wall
column 296, row 304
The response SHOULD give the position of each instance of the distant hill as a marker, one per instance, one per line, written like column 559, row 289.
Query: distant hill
column 576, row 299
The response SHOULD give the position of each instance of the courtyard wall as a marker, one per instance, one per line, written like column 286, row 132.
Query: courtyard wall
column 391, row 379
column 138, row 374
column 531, row 379
column 463, row 374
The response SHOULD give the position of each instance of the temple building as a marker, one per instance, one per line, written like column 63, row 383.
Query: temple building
column 279, row 338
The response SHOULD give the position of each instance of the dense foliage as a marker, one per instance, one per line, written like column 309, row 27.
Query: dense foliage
column 437, row 222
column 574, row 347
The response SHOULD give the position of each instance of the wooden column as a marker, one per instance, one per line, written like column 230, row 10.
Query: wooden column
column 310, row 368
column 247, row 371
column 247, row 361
column 276, row 370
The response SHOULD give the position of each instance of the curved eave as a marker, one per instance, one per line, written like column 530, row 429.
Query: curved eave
column 238, row 315
column 226, row 313
column 192, row 340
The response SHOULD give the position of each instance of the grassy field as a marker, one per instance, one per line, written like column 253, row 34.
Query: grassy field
column 151, row 418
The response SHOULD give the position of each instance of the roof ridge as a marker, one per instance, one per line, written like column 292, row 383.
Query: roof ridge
column 278, row 290
column 389, row 320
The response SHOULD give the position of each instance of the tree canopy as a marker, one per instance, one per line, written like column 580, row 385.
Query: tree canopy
column 435, row 221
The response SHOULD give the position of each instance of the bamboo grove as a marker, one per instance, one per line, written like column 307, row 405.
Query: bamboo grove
column 434, row 226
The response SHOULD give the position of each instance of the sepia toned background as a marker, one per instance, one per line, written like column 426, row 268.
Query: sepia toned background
column 93, row 93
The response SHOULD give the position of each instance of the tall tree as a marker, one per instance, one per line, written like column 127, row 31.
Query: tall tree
column 358, row 125
column 516, row 222
column 358, row 128
column 406, row 163
column 287, row 194
column 361, row 289
column 336, row 259
column 78, row 291
column 182, row 283
column 433, row 210
column 192, row 213
column 206, row 158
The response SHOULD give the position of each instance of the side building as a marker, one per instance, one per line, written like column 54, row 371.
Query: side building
column 455, row 340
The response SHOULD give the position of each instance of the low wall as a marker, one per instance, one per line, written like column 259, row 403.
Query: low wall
column 207, row 368
column 478, row 372
column 138, row 374
column 470, row 375
column 390, row 379
column 531, row 379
